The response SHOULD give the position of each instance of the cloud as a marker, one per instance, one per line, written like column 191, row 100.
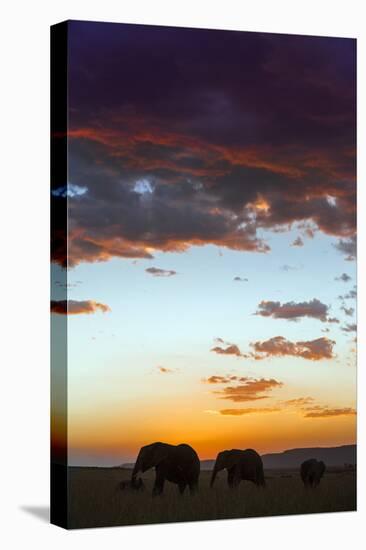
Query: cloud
column 248, row 389
column 298, row 242
column 348, row 310
column 165, row 370
column 314, row 350
column 349, row 327
column 287, row 267
column 344, row 277
column 71, row 190
column 190, row 153
column 347, row 247
column 241, row 412
column 215, row 379
column 326, row 412
column 293, row 311
column 332, row 320
column 352, row 294
column 310, row 232
column 241, row 279
column 298, row 402
column 75, row 307
column 231, row 349
column 156, row 272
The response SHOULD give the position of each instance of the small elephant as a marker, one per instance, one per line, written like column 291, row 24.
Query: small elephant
column 240, row 465
column 311, row 472
column 132, row 485
column 178, row 464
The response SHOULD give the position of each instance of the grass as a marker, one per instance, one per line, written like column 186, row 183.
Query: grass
column 95, row 499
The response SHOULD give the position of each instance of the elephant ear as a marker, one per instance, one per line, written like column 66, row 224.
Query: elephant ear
column 229, row 459
column 225, row 459
column 159, row 451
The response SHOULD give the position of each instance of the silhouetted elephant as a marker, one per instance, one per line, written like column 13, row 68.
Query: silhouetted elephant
column 132, row 485
column 311, row 472
column 176, row 463
column 240, row 465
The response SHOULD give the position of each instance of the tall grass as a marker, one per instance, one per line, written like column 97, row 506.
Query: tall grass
column 95, row 499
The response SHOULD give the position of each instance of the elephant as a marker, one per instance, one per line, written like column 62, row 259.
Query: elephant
column 311, row 472
column 132, row 485
column 240, row 465
column 178, row 464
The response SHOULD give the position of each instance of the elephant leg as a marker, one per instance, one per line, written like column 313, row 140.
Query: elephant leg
column 159, row 484
column 230, row 478
column 193, row 488
column 182, row 487
column 233, row 477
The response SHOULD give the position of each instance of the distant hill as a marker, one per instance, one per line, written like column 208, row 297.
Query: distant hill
column 332, row 456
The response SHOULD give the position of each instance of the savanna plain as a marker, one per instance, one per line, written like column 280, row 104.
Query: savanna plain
column 96, row 500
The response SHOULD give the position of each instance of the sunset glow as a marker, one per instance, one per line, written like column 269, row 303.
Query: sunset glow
column 211, row 273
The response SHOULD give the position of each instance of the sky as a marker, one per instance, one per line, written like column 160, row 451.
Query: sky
column 211, row 254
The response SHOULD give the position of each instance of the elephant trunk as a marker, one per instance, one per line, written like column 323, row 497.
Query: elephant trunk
column 214, row 474
column 136, row 468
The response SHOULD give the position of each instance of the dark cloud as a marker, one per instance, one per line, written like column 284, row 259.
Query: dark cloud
column 241, row 279
column 348, row 247
column 156, row 272
column 350, row 327
column 293, row 311
column 75, row 307
column 333, row 320
column 344, row 277
column 314, row 350
column 216, row 137
column 352, row 294
column 298, row 242
column 349, row 311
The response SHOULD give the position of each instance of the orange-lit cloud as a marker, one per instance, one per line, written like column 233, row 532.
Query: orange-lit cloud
column 76, row 307
column 298, row 402
column 165, row 370
column 241, row 412
column 220, row 379
column 195, row 175
column 326, row 412
column 248, row 389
